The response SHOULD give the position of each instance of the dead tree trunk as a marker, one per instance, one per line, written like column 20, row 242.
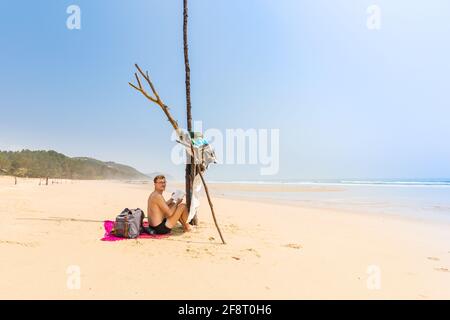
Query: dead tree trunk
column 190, row 166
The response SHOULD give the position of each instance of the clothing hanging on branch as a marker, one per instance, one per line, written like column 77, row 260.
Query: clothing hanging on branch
column 197, row 147
column 203, row 154
column 195, row 199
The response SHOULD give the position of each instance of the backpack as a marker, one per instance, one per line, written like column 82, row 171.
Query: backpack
column 129, row 223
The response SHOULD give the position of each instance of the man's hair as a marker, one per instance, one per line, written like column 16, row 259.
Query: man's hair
column 159, row 177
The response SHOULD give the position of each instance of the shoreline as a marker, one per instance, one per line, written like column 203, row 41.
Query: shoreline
column 349, row 211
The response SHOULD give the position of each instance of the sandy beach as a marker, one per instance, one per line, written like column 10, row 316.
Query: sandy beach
column 274, row 250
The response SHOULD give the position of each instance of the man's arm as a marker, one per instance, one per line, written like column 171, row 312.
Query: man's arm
column 170, row 202
column 165, row 209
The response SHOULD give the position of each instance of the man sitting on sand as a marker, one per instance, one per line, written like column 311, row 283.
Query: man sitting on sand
column 163, row 215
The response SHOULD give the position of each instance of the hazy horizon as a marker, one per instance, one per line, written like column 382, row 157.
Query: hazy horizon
column 349, row 102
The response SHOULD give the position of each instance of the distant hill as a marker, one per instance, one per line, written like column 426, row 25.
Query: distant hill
column 37, row 164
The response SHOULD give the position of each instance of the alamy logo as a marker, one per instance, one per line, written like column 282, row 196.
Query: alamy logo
column 73, row 277
column 374, row 18
column 74, row 20
column 239, row 146
column 374, row 277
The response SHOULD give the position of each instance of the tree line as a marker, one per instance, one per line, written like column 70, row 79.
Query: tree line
column 51, row 164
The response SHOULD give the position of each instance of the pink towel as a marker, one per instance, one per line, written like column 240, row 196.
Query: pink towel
column 109, row 225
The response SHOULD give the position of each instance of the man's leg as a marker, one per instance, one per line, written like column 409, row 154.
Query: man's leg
column 184, row 217
column 180, row 214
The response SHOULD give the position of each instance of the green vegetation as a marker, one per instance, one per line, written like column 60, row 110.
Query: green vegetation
column 40, row 164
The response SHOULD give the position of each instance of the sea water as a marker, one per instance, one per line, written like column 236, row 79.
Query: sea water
column 429, row 200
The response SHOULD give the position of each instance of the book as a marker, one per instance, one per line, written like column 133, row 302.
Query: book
column 178, row 195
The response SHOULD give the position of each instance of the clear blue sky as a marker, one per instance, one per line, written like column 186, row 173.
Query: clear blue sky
column 349, row 102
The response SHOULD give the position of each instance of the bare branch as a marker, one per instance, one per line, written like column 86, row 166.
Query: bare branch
column 155, row 99
column 134, row 87
column 139, row 81
column 153, row 88
column 144, row 93
column 147, row 78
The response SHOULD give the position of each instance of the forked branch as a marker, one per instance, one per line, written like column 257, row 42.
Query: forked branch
column 155, row 98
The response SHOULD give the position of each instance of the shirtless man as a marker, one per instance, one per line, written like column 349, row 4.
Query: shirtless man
column 163, row 215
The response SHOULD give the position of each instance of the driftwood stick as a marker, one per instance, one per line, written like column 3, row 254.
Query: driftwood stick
column 211, row 206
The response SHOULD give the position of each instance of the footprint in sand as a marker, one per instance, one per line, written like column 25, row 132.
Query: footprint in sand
column 253, row 251
column 136, row 243
column 293, row 246
column 23, row 244
column 208, row 252
column 442, row 269
column 433, row 258
column 193, row 253
column 232, row 228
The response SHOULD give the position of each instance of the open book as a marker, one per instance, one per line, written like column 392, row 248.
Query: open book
column 178, row 195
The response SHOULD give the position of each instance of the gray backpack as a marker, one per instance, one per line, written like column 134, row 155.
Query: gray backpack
column 129, row 223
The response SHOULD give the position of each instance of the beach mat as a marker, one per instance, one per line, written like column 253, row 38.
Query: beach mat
column 109, row 225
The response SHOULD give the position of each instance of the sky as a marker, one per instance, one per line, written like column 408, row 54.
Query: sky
column 349, row 101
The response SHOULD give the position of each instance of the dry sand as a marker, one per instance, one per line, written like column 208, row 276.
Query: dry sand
column 274, row 251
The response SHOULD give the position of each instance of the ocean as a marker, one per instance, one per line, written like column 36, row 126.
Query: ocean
column 419, row 199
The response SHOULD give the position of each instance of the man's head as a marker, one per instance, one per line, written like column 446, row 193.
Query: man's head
column 160, row 183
